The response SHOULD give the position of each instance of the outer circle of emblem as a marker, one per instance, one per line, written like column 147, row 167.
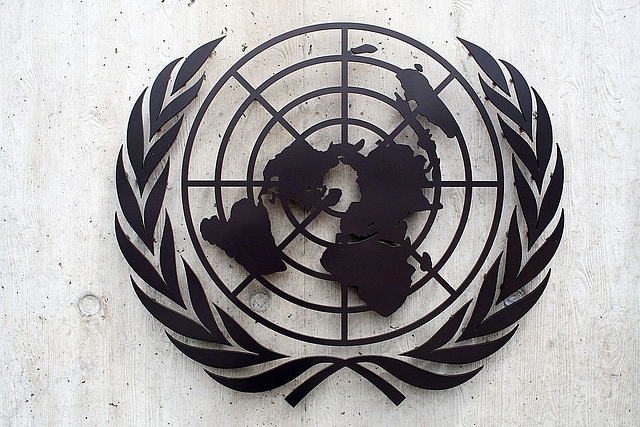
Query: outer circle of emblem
column 346, row 122
column 476, row 329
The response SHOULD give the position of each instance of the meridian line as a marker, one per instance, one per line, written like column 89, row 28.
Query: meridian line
column 414, row 114
column 431, row 273
column 468, row 184
column 243, row 285
column 443, row 84
column 276, row 114
column 344, row 316
column 447, row 287
column 223, row 183
column 344, row 89
column 411, row 118
column 298, row 229
column 344, row 86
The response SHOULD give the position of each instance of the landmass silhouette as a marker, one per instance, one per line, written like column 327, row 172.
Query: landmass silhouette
column 371, row 252
column 246, row 236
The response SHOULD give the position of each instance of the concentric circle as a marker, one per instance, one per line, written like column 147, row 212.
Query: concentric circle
column 261, row 124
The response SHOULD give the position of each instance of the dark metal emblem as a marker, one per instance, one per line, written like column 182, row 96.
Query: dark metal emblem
column 342, row 185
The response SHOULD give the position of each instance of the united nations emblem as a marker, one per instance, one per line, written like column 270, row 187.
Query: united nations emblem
column 343, row 186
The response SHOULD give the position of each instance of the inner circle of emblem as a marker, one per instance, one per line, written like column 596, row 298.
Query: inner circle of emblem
column 228, row 173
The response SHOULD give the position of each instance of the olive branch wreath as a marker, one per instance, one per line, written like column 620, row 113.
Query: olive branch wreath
column 225, row 345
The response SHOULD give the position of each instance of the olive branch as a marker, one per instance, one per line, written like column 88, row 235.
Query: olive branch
column 143, row 214
column 538, row 204
column 142, row 211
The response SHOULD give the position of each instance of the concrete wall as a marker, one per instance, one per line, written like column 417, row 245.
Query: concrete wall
column 78, row 348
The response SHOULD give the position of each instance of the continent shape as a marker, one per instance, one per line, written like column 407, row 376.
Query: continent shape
column 371, row 252
column 246, row 236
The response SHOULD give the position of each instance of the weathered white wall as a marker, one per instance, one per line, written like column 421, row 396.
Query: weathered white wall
column 70, row 72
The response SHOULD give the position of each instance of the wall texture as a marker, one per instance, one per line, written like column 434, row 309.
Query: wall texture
column 77, row 347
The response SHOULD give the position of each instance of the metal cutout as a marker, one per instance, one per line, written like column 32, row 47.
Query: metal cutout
column 380, row 263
